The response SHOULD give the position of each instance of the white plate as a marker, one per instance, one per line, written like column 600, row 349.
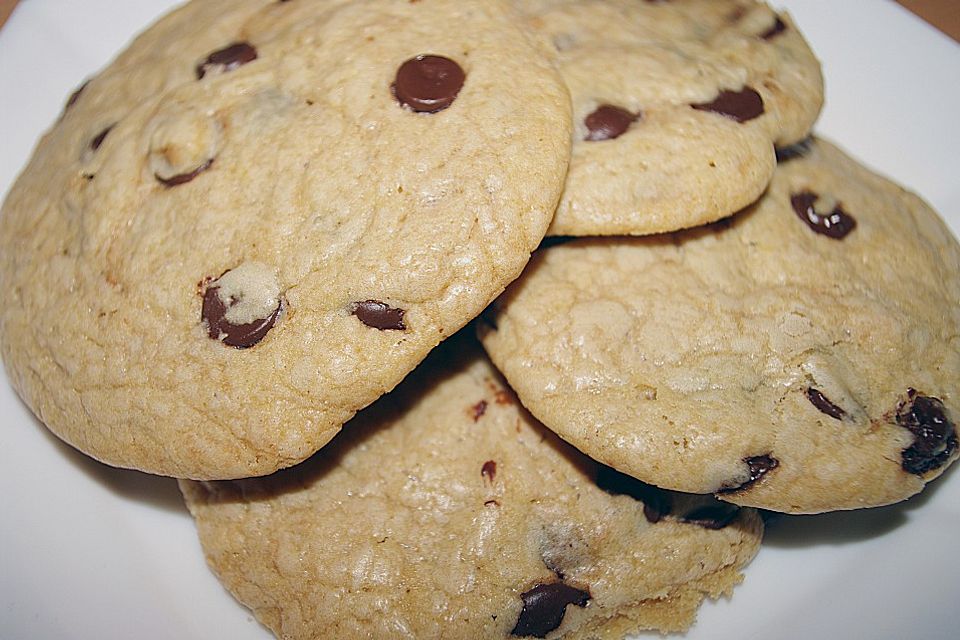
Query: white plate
column 92, row 552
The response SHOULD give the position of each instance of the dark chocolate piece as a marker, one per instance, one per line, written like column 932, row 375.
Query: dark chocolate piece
column 379, row 315
column 428, row 84
column 821, row 402
column 227, row 59
column 241, row 336
column 184, row 178
column 741, row 106
column 836, row 224
column 544, row 606
column 935, row 436
column 489, row 470
column 100, row 137
column 608, row 122
column 759, row 467
column 778, row 27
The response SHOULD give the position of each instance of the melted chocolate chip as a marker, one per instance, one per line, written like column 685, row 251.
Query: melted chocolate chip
column 544, row 606
column 428, row 84
column 241, row 336
column 379, row 315
column 759, row 466
column 935, row 436
column 184, row 178
column 836, row 224
column 741, row 106
column 712, row 516
column 608, row 122
column 656, row 501
column 820, row 401
column 489, row 470
column 100, row 137
column 227, row 59
column 797, row 150
column 778, row 27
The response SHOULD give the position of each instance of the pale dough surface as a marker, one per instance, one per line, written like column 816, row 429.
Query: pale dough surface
column 675, row 359
column 675, row 167
column 438, row 507
column 317, row 177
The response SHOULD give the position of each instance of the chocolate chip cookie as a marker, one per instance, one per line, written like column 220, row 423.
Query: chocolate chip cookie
column 677, row 107
column 262, row 215
column 801, row 356
column 445, row 510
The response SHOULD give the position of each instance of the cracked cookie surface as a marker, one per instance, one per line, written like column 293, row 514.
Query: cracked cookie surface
column 446, row 510
column 677, row 107
column 801, row 356
column 262, row 215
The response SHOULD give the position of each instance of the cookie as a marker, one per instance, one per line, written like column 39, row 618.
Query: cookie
column 445, row 510
column 677, row 106
column 800, row 357
column 262, row 215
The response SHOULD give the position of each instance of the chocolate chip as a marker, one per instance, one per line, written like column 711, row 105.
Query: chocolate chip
column 479, row 409
column 489, row 470
column 184, row 178
column 427, row 83
column 241, row 336
column 227, row 59
column 72, row 100
column 741, row 106
column 544, row 606
column 759, row 466
column 935, row 437
column 797, row 150
column 379, row 315
column 712, row 516
column 656, row 501
column 779, row 26
column 836, row 224
column 608, row 122
column 100, row 137
column 820, row 401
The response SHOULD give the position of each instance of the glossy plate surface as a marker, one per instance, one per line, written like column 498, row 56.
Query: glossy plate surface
column 88, row 551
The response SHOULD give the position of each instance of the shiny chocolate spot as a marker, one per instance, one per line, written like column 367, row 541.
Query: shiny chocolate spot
column 712, row 516
column 741, row 106
column 100, row 137
column 544, row 606
column 608, row 122
column 379, row 315
column 184, row 178
column 821, row 402
column 778, row 27
column 656, row 501
column 793, row 151
column 227, row 59
column 935, row 437
column 241, row 336
column 428, row 84
column 836, row 224
column 489, row 470
column 759, row 467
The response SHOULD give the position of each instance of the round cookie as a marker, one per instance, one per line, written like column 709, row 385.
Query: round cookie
column 445, row 510
column 800, row 357
column 677, row 106
column 262, row 215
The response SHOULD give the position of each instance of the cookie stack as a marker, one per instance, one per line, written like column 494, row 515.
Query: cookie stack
column 264, row 215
